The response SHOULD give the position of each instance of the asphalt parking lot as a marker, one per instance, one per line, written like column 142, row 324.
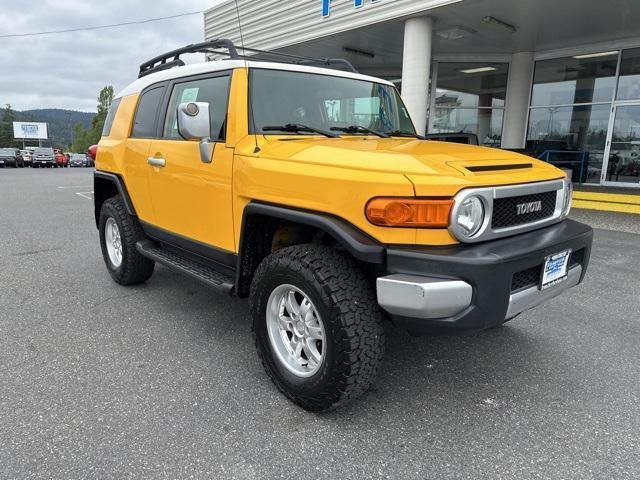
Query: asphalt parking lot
column 162, row 380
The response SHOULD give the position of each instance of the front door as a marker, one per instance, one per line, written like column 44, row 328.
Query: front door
column 623, row 153
column 191, row 198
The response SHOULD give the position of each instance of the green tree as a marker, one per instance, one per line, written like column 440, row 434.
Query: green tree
column 105, row 99
column 80, row 140
column 83, row 138
column 6, row 128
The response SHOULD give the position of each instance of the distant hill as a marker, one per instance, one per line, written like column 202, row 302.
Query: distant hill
column 60, row 122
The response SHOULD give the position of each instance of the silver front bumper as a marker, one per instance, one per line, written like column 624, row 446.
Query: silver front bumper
column 429, row 298
column 532, row 297
column 423, row 297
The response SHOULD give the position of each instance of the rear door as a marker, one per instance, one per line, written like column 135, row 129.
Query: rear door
column 191, row 198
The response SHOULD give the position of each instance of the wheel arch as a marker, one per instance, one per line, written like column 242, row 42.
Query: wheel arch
column 262, row 222
column 105, row 186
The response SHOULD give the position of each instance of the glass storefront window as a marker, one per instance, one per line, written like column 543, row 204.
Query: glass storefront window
column 578, row 79
column 624, row 154
column 470, row 98
column 471, row 84
column 629, row 83
column 486, row 123
column 569, row 132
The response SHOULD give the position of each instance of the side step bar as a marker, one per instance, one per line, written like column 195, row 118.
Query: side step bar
column 180, row 263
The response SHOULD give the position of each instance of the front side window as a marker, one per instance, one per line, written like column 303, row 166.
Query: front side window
column 324, row 102
column 214, row 91
column 144, row 124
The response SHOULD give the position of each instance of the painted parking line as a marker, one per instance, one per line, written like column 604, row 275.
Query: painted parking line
column 607, row 206
column 607, row 197
column 607, row 202
column 87, row 195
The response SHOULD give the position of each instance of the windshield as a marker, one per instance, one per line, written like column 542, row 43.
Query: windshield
column 7, row 151
column 44, row 151
column 324, row 102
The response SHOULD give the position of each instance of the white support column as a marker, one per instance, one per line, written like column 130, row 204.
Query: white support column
column 416, row 62
column 517, row 102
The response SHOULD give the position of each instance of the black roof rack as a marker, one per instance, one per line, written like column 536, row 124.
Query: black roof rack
column 165, row 61
column 227, row 48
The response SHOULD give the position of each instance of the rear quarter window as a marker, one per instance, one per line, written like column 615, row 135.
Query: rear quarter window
column 108, row 122
column 144, row 124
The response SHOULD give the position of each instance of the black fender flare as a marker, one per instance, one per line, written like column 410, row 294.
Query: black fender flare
column 99, row 177
column 358, row 243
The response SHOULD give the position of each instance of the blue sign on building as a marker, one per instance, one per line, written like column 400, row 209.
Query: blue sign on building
column 326, row 6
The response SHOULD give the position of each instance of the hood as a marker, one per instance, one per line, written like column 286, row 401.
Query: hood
column 418, row 160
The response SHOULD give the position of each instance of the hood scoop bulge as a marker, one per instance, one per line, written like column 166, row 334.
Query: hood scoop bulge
column 498, row 167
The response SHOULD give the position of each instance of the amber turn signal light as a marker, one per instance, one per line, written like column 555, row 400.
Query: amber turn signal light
column 409, row 212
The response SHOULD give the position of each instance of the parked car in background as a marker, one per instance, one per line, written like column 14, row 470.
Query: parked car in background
column 43, row 157
column 8, row 158
column 27, row 157
column 78, row 160
column 61, row 158
column 18, row 157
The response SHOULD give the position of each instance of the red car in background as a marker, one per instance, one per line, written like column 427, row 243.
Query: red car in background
column 91, row 154
column 61, row 158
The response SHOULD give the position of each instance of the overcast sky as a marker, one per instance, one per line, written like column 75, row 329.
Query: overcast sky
column 68, row 70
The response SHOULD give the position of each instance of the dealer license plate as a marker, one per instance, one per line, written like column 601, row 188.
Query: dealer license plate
column 555, row 269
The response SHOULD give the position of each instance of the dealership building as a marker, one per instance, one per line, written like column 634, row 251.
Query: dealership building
column 557, row 79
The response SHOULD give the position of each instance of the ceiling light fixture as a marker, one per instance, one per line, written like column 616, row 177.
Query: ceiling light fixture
column 499, row 23
column 455, row 33
column 594, row 55
column 357, row 51
column 478, row 70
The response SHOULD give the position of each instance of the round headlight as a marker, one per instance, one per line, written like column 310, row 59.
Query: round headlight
column 568, row 197
column 470, row 216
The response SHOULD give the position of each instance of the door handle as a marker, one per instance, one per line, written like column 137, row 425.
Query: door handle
column 156, row 162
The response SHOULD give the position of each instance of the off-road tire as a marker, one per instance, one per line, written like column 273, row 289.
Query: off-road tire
column 134, row 268
column 353, row 324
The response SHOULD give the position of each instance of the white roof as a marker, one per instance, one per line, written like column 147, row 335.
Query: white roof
column 218, row 65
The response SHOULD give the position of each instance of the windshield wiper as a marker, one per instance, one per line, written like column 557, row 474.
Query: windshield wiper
column 359, row 129
column 402, row 133
column 297, row 127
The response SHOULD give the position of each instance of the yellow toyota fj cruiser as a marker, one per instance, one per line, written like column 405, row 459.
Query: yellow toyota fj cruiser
column 307, row 189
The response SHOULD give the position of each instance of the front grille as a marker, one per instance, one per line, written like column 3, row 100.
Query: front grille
column 531, row 276
column 505, row 210
column 577, row 258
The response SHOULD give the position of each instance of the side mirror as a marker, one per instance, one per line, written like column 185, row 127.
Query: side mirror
column 194, row 122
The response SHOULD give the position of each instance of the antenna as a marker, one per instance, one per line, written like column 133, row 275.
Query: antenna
column 246, row 69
